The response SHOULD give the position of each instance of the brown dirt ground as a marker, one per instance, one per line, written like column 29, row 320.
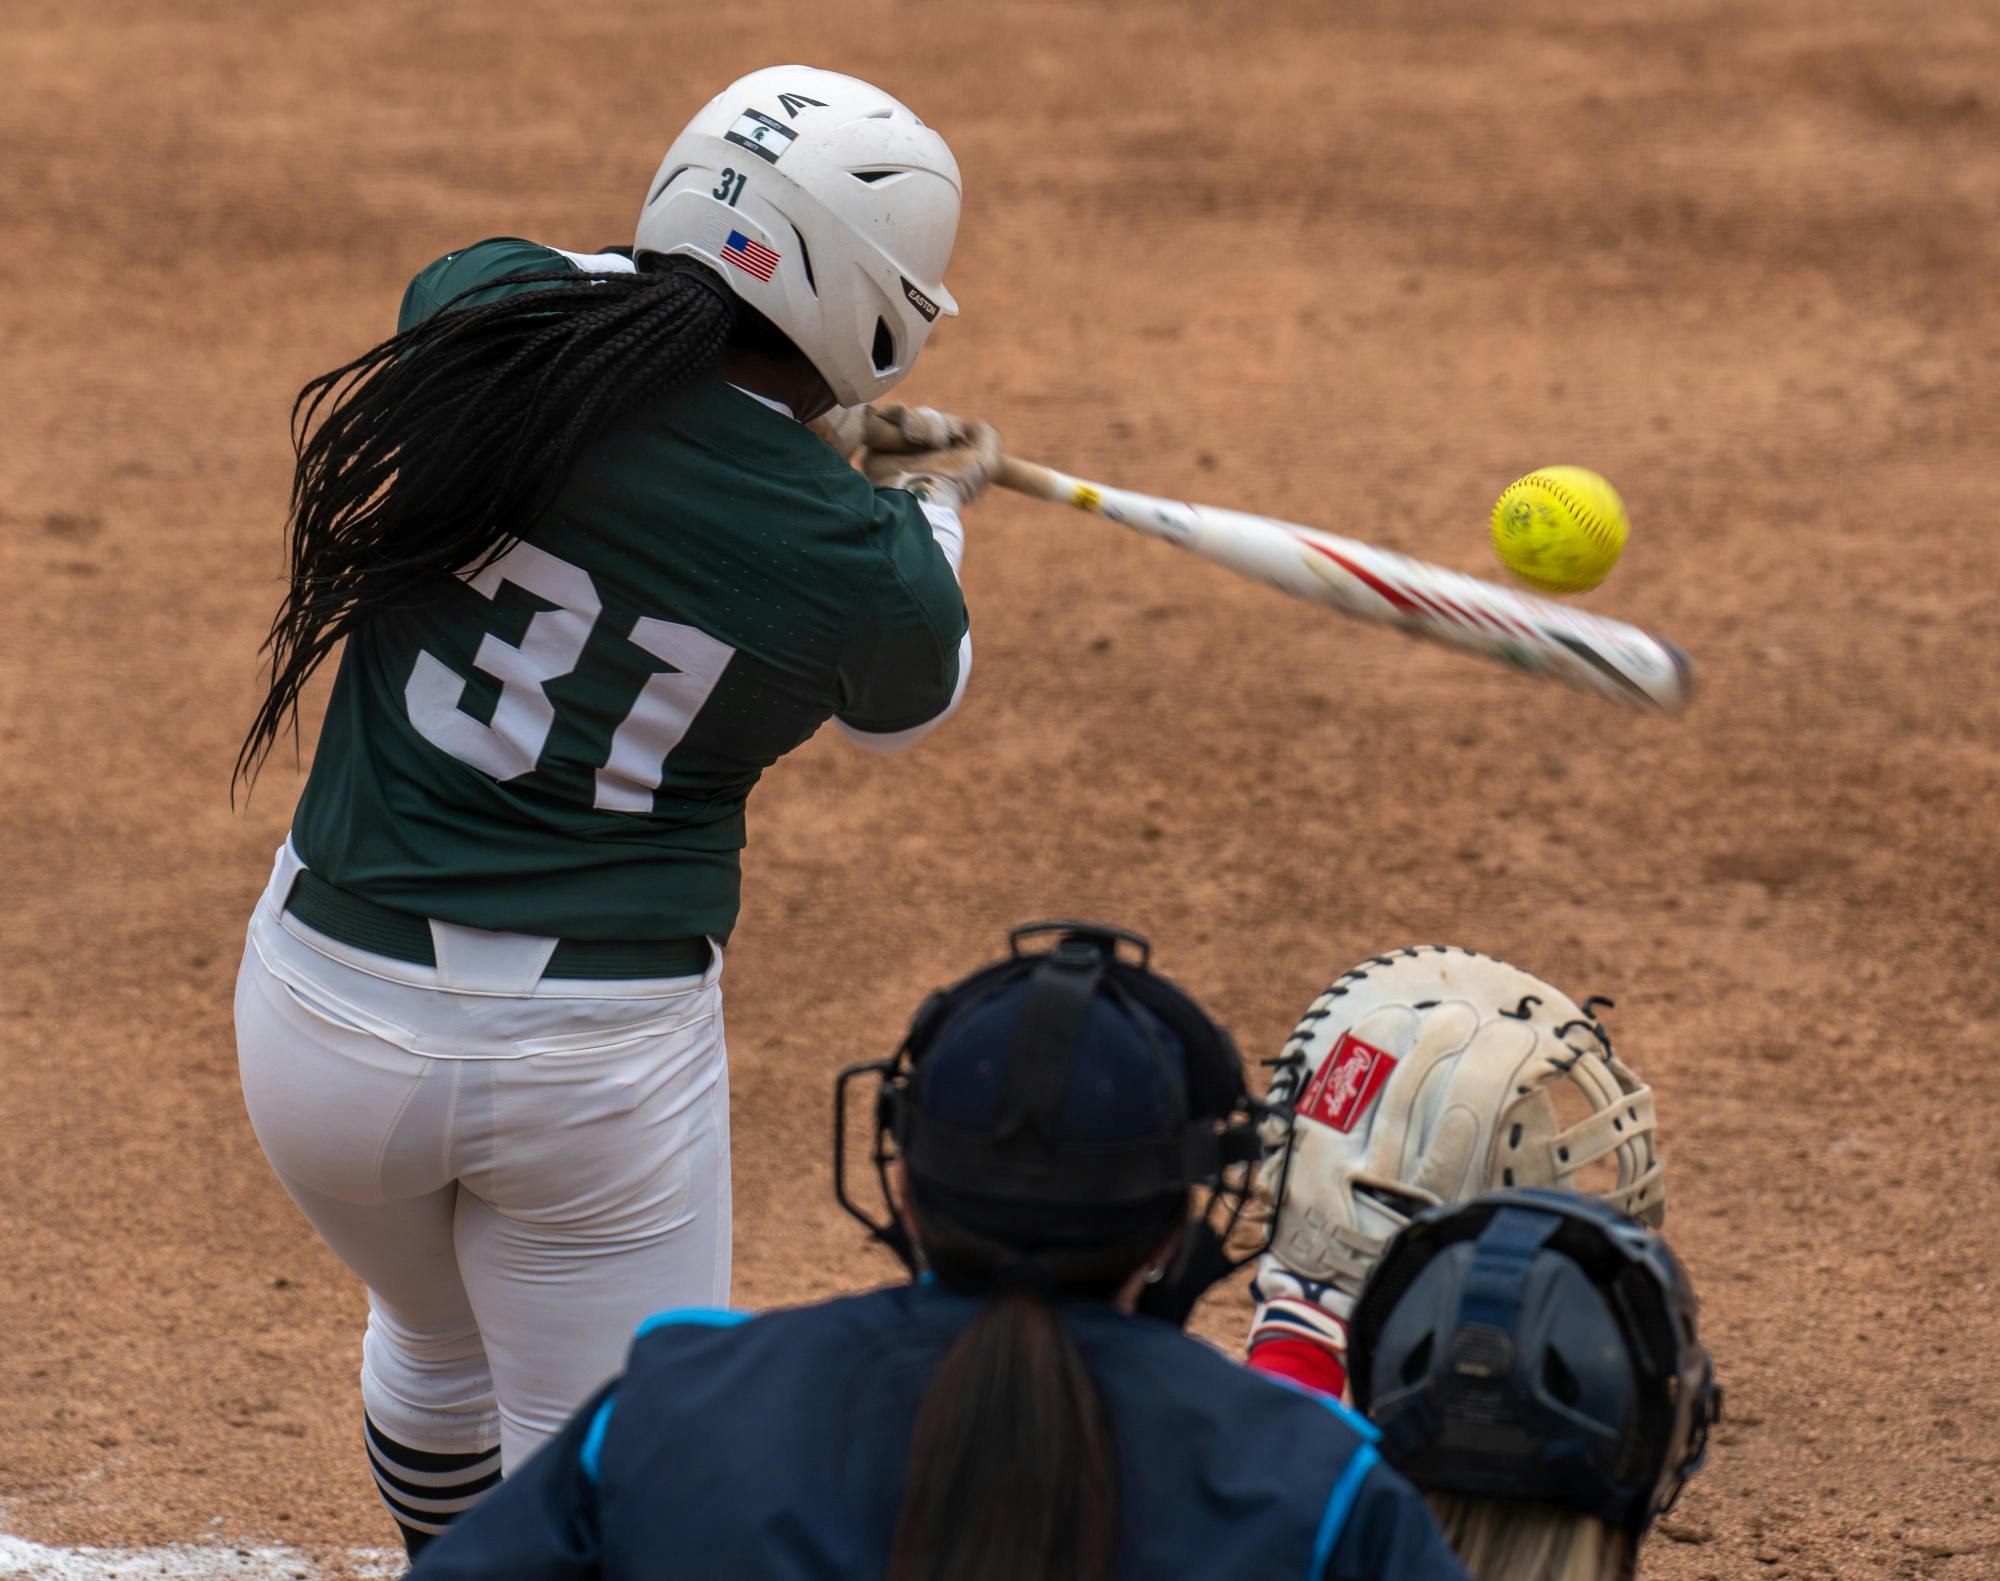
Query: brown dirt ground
column 1356, row 270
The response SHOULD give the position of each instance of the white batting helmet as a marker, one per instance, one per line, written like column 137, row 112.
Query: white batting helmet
column 827, row 206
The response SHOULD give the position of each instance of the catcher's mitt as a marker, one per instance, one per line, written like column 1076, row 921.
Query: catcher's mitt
column 1430, row 1075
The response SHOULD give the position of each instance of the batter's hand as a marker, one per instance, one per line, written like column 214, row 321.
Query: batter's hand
column 921, row 427
column 908, row 428
column 960, row 457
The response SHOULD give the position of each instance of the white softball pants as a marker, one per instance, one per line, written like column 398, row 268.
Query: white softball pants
column 519, row 1174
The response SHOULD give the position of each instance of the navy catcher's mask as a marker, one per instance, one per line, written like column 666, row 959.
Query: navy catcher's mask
column 1056, row 1098
column 1537, row 1345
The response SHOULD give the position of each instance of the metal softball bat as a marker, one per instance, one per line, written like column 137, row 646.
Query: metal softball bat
column 1607, row 658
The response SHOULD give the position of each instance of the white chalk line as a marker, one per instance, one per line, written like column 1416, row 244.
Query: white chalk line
column 183, row 1562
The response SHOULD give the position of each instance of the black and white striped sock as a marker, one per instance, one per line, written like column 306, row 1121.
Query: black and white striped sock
column 426, row 1492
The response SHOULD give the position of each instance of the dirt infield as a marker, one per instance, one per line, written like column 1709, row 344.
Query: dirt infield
column 1354, row 265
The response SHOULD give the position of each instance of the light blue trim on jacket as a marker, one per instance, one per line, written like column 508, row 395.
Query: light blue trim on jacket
column 1370, row 1433
column 1340, row 1504
column 693, row 1317
column 591, row 1456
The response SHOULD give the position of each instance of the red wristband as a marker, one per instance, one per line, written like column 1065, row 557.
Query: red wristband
column 1302, row 1362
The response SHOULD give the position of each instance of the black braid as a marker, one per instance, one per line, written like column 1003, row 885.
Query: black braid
column 437, row 448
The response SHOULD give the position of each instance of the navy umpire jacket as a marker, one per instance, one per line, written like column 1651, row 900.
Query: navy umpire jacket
column 739, row 1449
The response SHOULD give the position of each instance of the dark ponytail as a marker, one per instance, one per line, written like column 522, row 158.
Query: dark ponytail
column 438, row 447
column 1013, row 1470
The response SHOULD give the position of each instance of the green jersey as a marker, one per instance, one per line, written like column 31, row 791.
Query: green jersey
column 563, row 743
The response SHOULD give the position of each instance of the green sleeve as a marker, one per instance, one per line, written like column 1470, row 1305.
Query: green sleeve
column 902, row 670
column 493, row 259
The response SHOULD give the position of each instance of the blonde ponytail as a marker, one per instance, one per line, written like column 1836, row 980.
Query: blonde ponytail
column 1512, row 1540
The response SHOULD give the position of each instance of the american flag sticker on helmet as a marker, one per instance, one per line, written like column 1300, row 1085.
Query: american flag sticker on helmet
column 764, row 137
column 752, row 257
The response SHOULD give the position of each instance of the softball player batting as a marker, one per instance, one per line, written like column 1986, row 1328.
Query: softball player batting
column 594, row 575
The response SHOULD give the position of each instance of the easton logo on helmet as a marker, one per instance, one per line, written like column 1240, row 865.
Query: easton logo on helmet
column 791, row 103
column 918, row 300
column 1347, row 1083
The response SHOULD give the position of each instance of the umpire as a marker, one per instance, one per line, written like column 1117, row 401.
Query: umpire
column 1043, row 1133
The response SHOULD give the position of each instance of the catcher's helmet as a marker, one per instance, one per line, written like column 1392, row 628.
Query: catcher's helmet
column 1537, row 1345
column 827, row 206
column 1061, row 1097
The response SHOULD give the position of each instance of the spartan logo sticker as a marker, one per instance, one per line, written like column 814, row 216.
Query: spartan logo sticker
column 918, row 300
column 764, row 137
column 1347, row 1083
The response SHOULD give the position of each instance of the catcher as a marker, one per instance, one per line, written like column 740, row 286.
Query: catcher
column 1532, row 1361
column 1425, row 1076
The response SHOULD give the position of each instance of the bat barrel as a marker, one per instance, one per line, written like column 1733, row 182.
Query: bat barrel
column 1604, row 657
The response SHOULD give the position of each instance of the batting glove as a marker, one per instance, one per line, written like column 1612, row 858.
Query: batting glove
column 955, row 472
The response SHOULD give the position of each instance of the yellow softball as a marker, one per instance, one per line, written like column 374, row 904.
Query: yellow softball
column 1560, row 529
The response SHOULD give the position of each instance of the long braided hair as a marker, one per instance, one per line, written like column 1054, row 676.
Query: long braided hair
column 435, row 449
